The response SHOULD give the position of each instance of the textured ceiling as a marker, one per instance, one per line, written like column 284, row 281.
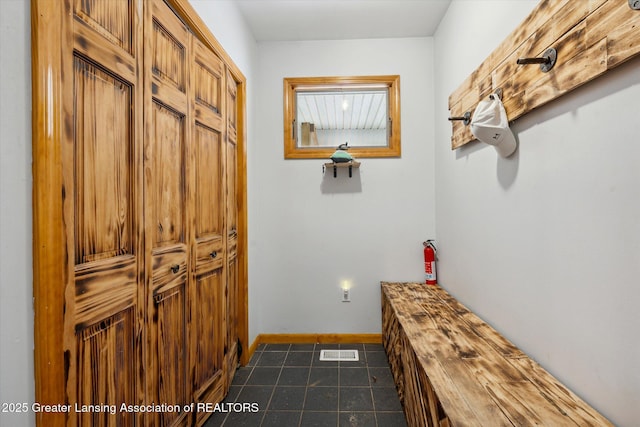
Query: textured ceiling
column 280, row 20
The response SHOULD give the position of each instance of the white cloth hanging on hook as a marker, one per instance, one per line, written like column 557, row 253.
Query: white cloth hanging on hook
column 491, row 126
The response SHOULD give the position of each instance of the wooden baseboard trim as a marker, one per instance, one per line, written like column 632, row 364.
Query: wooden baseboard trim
column 313, row 339
column 318, row 338
column 252, row 349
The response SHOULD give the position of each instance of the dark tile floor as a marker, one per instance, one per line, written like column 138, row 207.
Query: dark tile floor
column 289, row 386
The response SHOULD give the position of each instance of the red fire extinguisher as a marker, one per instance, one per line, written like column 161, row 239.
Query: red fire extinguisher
column 430, row 262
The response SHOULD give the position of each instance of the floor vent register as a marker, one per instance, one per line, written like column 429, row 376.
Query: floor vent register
column 339, row 355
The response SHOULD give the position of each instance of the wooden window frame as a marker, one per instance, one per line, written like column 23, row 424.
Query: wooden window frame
column 293, row 84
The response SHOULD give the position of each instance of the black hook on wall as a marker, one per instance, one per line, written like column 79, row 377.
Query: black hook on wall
column 466, row 118
column 547, row 61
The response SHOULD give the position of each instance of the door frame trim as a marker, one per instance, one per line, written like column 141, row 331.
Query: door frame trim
column 49, row 255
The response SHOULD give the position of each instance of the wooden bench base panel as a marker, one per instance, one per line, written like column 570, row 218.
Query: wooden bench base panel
column 452, row 369
column 420, row 402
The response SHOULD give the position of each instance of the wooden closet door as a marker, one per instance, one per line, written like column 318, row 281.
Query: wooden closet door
column 231, row 289
column 135, row 247
column 208, row 308
column 167, row 154
column 101, row 191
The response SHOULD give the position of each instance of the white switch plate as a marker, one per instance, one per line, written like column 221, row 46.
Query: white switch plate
column 346, row 295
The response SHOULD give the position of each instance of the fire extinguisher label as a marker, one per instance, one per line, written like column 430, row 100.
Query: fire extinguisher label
column 429, row 268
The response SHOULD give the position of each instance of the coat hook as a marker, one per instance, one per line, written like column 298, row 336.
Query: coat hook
column 547, row 61
column 498, row 93
column 634, row 4
column 466, row 118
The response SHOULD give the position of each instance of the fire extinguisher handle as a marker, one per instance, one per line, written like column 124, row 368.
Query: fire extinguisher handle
column 430, row 243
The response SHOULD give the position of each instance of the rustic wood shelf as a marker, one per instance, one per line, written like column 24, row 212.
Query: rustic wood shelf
column 352, row 164
column 453, row 369
column 590, row 37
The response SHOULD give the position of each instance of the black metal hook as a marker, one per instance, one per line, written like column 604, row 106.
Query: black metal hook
column 547, row 61
column 498, row 93
column 466, row 118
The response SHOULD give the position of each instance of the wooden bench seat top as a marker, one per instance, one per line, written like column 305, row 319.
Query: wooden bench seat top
column 478, row 376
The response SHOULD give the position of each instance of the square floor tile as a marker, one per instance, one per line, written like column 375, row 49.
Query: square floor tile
column 374, row 347
column 391, row 419
column 298, row 358
column 215, row 420
column 254, row 358
column 323, row 377
column 232, row 395
column 319, row 419
column 241, row 375
column 277, row 347
column 287, row 398
column 354, row 377
column 356, row 399
column 244, row 419
column 327, row 346
column 259, row 394
column 386, row 399
column 376, row 358
column 359, row 347
column 263, row 376
column 381, row 377
column 358, row 419
column 293, row 376
column 281, row 419
column 321, row 399
column 316, row 362
column 302, row 347
column 272, row 358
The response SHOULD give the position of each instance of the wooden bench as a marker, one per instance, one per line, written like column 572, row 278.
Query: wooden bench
column 453, row 369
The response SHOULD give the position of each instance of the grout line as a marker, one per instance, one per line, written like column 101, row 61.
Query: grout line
column 272, row 393
column 306, row 387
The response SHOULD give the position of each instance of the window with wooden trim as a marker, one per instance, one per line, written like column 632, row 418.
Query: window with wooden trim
column 321, row 113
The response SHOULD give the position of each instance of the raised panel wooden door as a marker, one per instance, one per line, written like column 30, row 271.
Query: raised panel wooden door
column 101, row 190
column 209, row 213
column 166, row 157
column 231, row 289
column 135, row 211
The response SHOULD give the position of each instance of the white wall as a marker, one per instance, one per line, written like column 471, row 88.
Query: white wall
column 228, row 26
column 308, row 232
column 516, row 237
column 545, row 245
column 16, row 312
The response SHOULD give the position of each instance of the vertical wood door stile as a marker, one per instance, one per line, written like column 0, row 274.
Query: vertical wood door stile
column 231, row 291
column 208, row 246
column 167, row 153
column 102, row 209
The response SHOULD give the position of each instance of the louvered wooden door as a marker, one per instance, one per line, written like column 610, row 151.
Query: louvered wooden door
column 101, row 154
